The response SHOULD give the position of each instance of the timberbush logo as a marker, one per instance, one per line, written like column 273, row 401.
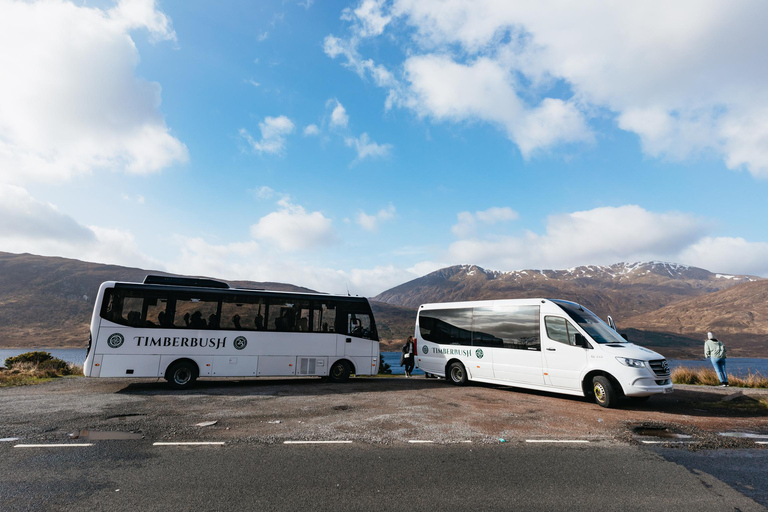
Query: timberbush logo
column 116, row 340
column 479, row 353
column 240, row 342
column 425, row 350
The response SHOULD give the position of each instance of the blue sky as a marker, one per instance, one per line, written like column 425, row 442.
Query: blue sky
column 355, row 145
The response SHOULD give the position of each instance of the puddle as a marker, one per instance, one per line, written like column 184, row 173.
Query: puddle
column 124, row 417
column 743, row 435
column 659, row 433
column 103, row 435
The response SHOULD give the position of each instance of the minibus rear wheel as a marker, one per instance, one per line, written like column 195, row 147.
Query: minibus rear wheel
column 605, row 392
column 457, row 374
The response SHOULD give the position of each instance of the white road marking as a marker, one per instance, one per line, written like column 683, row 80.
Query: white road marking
column 68, row 445
column 556, row 441
column 317, row 442
column 667, row 442
column 8, row 439
column 197, row 443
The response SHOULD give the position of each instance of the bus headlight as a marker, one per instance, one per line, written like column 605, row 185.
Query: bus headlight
column 634, row 363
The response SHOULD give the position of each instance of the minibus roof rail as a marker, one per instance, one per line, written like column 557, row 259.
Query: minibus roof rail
column 197, row 282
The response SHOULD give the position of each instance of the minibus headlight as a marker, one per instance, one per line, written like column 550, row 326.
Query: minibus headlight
column 634, row 363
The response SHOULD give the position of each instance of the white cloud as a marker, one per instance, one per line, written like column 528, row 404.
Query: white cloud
column 273, row 135
column 250, row 261
column 728, row 254
column 264, row 192
column 291, row 228
column 368, row 17
column 29, row 225
column 311, row 130
column 366, row 148
column 70, row 99
column 339, row 117
column 677, row 74
column 372, row 222
column 467, row 222
column 600, row 236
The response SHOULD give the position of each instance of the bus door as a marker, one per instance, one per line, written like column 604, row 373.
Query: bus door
column 564, row 361
column 356, row 336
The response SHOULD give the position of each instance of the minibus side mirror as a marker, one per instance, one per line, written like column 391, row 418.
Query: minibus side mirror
column 580, row 341
column 624, row 335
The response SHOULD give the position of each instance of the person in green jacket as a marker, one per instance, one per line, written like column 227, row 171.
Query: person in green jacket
column 715, row 351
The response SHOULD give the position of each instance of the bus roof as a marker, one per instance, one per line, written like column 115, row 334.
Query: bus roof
column 218, row 290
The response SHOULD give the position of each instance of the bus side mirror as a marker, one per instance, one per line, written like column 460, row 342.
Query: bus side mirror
column 580, row 341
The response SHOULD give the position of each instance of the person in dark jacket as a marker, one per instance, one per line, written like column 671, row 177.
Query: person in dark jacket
column 407, row 358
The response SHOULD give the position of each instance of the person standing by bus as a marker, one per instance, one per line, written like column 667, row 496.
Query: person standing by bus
column 408, row 358
column 715, row 351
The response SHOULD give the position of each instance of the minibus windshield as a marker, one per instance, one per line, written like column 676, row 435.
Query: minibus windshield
column 591, row 323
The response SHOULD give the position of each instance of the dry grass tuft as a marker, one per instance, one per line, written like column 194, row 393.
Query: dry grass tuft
column 22, row 373
column 708, row 377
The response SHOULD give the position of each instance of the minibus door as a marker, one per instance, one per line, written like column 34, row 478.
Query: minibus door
column 564, row 360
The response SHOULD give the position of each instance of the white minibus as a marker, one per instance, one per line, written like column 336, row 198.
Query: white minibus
column 542, row 344
column 184, row 328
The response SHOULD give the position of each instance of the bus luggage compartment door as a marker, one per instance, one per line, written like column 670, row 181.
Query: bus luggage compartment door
column 234, row 366
column 129, row 366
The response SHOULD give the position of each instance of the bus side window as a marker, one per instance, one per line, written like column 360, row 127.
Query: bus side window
column 323, row 317
column 560, row 330
column 359, row 325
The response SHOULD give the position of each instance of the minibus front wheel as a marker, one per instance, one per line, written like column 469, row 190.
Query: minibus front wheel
column 606, row 394
column 457, row 374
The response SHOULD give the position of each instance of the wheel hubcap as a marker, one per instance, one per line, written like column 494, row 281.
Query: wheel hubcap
column 599, row 393
column 182, row 376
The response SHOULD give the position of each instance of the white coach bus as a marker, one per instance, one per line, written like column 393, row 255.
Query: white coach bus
column 547, row 345
column 184, row 328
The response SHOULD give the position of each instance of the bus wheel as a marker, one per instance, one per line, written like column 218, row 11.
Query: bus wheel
column 182, row 375
column 457, row 374
column 606, row 394
column 339, row 372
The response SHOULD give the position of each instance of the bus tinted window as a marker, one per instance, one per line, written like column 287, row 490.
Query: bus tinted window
column 243, row 313
column 196, row 313
column 237, row 310
column 446, row 326
column 324, row 319
column 515, row 327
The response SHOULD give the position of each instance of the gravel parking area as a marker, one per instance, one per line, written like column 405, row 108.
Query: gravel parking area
column 373, row 410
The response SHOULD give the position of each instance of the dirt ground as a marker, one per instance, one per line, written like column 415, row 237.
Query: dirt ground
column 372, row 410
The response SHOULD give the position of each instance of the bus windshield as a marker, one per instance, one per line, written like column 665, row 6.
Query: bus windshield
column 591, row 323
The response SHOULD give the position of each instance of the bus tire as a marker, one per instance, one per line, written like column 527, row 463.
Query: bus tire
column 339, row 372
column 606, row 394
column 181, row 374
column 457, row 374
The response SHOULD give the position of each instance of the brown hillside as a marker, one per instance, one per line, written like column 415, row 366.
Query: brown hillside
column 737, row 310
column 738, row 316
column 621, row 290
column 47, row 302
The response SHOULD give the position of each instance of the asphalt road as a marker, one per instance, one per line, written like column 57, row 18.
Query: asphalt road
column 136, row 475
column 557, row 452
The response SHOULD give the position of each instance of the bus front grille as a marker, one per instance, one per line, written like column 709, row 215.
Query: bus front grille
column 660, row 367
